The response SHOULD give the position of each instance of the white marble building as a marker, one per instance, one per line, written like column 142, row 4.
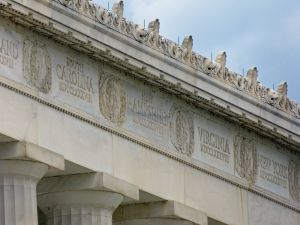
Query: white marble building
column 103, row 122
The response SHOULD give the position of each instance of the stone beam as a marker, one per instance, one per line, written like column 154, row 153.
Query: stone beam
column 90, row 181
column 22, row 150
column 129, row 214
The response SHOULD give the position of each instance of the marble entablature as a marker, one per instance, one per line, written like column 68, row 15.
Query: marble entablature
column 184, row 53
column 110, row 96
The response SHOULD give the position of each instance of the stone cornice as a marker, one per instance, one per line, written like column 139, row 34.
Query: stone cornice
column 178, row 78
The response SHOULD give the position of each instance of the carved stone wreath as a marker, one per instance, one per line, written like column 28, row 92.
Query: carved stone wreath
column 112, row 99
column 245, row 158
column 182, row 130
column 294, row 180
column 37, row 65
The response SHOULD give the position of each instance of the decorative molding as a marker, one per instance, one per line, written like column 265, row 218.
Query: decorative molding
column 245, row 158
column 182, row 130
column 294, row 180
column 37, row 65
column 182, row 53
column 112, row 99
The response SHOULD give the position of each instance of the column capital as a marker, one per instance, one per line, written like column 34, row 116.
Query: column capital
column 30, row 169
column 88, row 199
column 161, row 210
column 21, row 150
column 97, row 181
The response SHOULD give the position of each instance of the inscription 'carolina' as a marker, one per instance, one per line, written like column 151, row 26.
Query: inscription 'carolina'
column 73, row 80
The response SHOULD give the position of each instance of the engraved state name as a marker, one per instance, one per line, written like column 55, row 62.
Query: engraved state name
column 73, row 80
column 9, row 52
column 273, row 171
column 214, row 145
column 147, row 115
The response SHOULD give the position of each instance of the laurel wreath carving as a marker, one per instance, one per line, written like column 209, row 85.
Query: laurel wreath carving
column 37, row 65
column 182, row 130
column 245, row 158
column 112, row 99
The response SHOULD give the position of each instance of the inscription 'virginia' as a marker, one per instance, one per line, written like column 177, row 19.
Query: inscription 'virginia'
column 214, row 145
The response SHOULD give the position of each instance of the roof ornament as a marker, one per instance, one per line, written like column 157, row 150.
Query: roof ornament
column 153, row 34
column 118, row 9
column 252, row 74
column 187, row 48
column 188, row 43
column 154, row 26
column 139, row 33
column 221, row 59
column 282, row 100
column 282, row 89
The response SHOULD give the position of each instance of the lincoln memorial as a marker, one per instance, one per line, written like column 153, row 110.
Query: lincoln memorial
column 106, row 122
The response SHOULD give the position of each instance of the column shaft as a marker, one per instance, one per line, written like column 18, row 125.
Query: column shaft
column 18, row 180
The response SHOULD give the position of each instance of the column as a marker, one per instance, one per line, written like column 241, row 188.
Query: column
column 83, row 199
column 18, row 180
column 22, row 165
column 158, row 213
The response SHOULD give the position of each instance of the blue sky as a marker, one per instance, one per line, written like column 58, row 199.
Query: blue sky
column 262, row 33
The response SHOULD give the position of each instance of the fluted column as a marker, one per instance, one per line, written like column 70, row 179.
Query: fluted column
column 18, row 180
column 83, row 199
column 80, row 207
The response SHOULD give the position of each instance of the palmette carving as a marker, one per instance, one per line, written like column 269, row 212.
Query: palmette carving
column 37, row 65
column 112, row 99
column 245, row 158
column 294, row 180
column 181, row 53
column 182, row 130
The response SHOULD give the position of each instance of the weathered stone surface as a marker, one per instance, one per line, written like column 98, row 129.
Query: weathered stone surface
column 173, row 125
column 105, row 95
